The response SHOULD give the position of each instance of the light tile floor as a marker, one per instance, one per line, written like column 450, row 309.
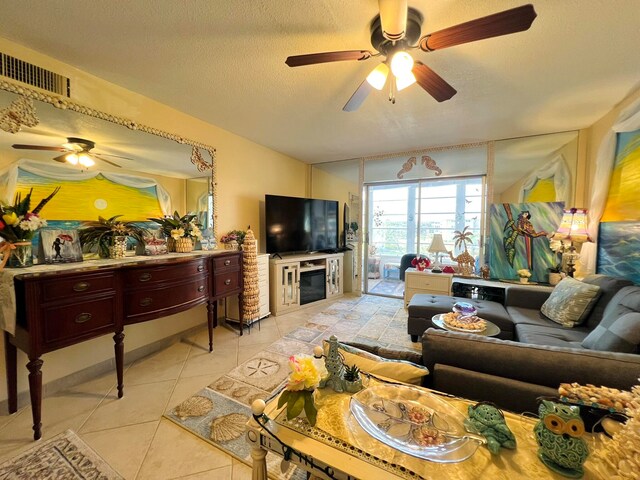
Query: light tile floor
column 130, row 433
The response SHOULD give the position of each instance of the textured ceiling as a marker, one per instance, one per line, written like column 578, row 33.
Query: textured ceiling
column 223, row 61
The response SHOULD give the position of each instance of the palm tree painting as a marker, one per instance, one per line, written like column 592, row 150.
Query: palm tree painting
column 519, row 238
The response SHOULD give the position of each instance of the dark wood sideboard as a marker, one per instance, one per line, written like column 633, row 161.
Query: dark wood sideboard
column 62, row 308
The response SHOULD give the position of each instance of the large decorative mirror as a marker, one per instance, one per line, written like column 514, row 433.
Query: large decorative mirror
column 122, row 147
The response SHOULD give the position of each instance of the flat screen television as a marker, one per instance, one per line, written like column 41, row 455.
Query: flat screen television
column 300, row 224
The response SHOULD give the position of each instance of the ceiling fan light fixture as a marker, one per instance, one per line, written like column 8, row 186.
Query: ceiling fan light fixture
column 405, row 81
column 378, row 76
column 85, row 160
column 71, row 158
column 401, row 64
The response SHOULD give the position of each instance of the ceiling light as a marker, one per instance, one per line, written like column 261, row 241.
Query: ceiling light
column 72, row 158
column 85, row 160
column 405, row 81
column 401, row 64
column 378, row 76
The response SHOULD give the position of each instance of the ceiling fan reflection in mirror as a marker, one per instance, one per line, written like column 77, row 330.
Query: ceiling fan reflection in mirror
column 77, row 151
column 397, row 29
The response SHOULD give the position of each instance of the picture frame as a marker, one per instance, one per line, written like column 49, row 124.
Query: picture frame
column 59, row 246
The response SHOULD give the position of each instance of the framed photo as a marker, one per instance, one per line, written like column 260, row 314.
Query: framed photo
column 59, row 246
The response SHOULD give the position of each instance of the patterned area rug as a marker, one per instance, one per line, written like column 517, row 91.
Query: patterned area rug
column 64, row 457
column 219, row 412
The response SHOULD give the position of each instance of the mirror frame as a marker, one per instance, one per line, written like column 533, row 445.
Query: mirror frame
column 64, row 103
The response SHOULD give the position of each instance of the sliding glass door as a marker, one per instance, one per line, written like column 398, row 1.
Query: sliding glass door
column 402, row 217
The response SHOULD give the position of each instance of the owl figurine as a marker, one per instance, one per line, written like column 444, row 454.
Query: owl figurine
column 559, row 433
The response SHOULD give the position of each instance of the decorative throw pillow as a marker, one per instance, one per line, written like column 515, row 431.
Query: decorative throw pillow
column 570, row 302
column 398, row 370
column 622, row 336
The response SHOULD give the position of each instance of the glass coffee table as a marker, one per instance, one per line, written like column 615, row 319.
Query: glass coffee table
column 491, row 331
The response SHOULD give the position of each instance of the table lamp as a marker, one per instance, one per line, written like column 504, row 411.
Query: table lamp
column 437, row 247
column 572, row 228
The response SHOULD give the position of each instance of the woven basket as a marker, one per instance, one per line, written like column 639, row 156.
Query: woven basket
column 184, row 245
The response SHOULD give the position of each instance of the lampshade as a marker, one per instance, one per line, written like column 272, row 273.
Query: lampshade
column 405, row 81
column 401, row 63
column 573, row 226
column 378, row 76
column 437, row 244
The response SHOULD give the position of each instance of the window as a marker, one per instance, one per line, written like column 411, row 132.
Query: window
column 404, row 216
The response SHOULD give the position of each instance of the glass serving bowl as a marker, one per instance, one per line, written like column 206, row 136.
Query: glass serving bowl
column 414, row 422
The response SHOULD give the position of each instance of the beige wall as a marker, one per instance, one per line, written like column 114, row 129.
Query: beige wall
column 246, row 171
column 327, row 186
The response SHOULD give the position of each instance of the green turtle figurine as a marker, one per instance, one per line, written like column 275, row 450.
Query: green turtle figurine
column 559, row 433
column 487, row 420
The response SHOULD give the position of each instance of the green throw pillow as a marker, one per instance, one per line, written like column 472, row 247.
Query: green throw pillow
column 622, row 336
column 570, row 302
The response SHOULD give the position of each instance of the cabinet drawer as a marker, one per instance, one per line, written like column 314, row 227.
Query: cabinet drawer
column 432, row 282
column 226, row 262
column 149, row 300
column 82, row 320
column 226, row 282
column 137, row 277
column 72, row 286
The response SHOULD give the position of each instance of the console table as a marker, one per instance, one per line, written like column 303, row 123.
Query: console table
column 493, row 290
column 48, row 307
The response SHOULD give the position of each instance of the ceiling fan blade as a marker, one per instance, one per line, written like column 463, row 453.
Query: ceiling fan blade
column 358, row 97
column 99, row 157
column 325, row 57
column 39, row 147
column 110, row 155
column 61, row 158
column 514, row 20
column 433, row 83
column 393, row 18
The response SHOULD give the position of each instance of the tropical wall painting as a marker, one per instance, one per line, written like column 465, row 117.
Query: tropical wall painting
column 518, row 238
column 619, row 237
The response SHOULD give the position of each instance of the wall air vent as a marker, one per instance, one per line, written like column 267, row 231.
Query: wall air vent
column 33, row 75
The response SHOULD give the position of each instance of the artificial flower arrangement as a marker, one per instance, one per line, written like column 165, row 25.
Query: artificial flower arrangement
column 18, row 225
column 234, row 236
column 298, row 393
column 103, row 234
column 557, row 247
column 176, row 226
column 523, row 273
column 421, row 263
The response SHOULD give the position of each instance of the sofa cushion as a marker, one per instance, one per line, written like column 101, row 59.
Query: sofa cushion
column 552, row 336
column 622, row 335
column 625, row 301
column 609, row 287
column 399, row 370
column 570, row 302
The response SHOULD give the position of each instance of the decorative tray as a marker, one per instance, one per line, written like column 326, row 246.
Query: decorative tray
column 414, row 422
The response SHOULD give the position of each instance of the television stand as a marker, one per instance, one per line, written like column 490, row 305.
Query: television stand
column 298, row 280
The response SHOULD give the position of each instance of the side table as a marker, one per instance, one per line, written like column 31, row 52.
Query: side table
column 425, row 282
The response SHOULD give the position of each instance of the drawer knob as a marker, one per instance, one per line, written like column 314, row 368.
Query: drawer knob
column 227, row 263
column 82, row 318
column 145, row 277
column 200, row 268
column 145, row 302
column 227, row 281
column 81, row 286
column 201, row 288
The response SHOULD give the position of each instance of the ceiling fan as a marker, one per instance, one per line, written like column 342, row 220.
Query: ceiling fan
column 397, row 29
column 77, row 151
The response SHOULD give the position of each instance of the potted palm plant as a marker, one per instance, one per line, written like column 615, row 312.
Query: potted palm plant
column 109, row 236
